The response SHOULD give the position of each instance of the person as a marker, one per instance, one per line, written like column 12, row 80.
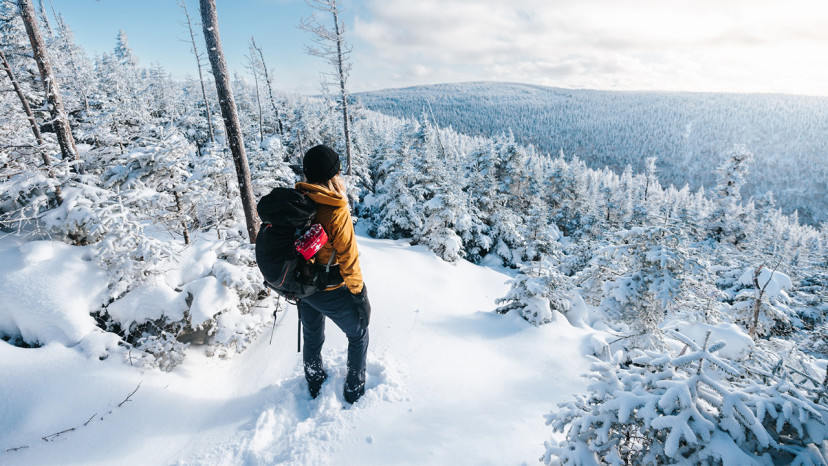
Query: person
column 345, row 303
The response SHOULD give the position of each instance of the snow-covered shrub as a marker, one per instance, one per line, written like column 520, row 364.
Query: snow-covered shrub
column 26, row 192
column 650, row 263
column 695, row 408
column 537, row 293
column 775, row 315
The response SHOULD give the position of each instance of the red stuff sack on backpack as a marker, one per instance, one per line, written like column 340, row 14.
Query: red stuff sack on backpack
column 309, row 243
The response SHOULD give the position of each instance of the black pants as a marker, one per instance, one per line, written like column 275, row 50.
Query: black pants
column 339, row 307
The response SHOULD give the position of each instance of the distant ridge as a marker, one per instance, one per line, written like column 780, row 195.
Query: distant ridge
column 686, row 131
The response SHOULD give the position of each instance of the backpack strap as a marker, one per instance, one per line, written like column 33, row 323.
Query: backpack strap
column 329, row 275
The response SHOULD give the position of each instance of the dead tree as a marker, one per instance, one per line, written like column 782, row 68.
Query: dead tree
column 60, row 121
column 253, row 65
column 198, row 56
column 32, row 122
column 45, row 18
column 330, row 45
column 759, row 293
column 209, row 20
column 25, row 103
column 269, row 84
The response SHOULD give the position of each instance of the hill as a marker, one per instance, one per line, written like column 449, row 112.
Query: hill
column 686, row 132
column 482, row 404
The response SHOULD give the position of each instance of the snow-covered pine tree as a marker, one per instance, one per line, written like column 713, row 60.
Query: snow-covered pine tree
column 538, row 293
column 650, row 264
column 397, row 205
column 694, row 408
column 728, row 221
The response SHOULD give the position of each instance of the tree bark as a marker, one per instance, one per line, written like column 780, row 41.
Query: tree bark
column 180, row 208
column 209, row 20
column 60, row 122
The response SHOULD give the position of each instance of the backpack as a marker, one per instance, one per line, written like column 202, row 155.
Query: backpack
column 286, row 216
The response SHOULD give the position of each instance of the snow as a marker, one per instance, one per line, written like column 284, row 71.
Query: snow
column 448, row 380
column 209, row 298
column 48, row 290
column 148, row 302
column 774, row 282
column 737, row 342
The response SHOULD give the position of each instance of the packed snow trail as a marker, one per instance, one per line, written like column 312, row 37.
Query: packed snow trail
column 448, row 382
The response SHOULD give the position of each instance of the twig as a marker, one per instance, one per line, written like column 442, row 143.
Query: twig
column 128, row 396
column 90, row 420
column 628, row 336
column 51, row 437
column 16, row 448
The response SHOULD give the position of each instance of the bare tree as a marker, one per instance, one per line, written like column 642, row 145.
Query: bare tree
column 44, row 18
column 758, row 294
column 60, row 122
column 209, row 22
column 25, row 103
column 269, row 84
column 32, row 121
column 198, row 58
column 253, row 65
column 330, row 45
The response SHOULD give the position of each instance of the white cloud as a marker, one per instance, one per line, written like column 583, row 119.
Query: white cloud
column 725, row 45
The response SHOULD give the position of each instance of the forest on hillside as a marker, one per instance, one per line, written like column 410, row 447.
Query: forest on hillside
column 686, row 132
column 710, row 303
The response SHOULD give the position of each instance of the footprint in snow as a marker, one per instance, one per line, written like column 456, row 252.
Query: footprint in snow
column 295, row 429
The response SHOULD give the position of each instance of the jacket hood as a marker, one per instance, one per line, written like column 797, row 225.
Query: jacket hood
column 322, row 195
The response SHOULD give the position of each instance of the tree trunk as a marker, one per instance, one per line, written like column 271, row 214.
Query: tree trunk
column 209, row 21
column 180, row 208
column 343, row 94
column 757, row 301
column 200, row 75
column 60, row 122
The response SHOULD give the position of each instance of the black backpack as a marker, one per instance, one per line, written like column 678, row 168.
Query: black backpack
column 286, row 214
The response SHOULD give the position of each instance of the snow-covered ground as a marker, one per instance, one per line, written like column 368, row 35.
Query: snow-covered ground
column 449, row 381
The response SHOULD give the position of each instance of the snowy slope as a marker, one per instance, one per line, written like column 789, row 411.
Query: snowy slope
column 449, row 382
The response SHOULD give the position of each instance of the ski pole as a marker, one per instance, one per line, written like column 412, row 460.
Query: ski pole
column 274, row 325
column 299, row 332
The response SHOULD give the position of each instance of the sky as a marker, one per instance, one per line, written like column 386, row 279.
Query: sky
column 670, row 45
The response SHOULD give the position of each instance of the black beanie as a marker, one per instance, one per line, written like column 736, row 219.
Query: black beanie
column 321, row 163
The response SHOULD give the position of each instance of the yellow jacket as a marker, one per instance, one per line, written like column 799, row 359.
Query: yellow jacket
column 333, row 214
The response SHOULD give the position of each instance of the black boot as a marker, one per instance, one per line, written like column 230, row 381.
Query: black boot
column 353, row 394
column 315, row 384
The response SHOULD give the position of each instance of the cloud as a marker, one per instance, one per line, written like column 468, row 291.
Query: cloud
column 635, row 44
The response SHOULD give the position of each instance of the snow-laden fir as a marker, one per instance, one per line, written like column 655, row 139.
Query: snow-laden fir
column 698, row 316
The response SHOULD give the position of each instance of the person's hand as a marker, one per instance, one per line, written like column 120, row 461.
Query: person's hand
column 363, row 306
